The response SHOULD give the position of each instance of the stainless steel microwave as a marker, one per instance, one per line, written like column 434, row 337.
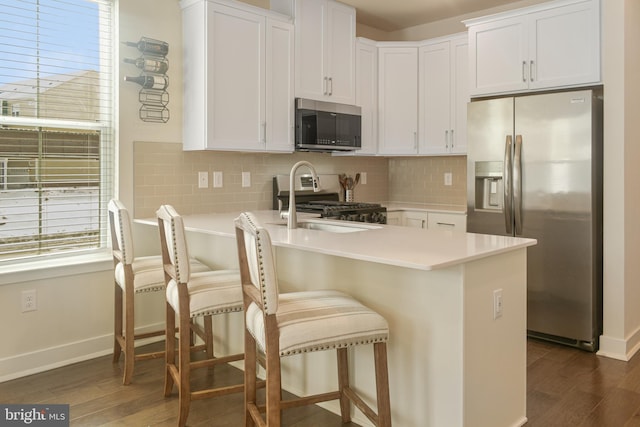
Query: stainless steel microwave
column 327, row 126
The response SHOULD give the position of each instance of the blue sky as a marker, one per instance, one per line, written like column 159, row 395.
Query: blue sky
column 66, row 39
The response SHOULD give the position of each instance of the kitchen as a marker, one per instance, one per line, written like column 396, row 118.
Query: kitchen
column 140, row 142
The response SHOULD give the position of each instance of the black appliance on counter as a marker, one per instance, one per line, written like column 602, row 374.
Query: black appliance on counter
column 325, row 203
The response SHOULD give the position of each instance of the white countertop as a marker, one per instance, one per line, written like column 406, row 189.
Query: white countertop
column 407, row 247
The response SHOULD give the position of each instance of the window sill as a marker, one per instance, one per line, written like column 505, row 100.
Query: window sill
column 55, row 267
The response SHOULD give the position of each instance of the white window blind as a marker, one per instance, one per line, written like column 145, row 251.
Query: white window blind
column 56, row 126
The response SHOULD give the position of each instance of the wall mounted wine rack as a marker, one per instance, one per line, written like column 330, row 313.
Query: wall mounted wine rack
column 153, row 65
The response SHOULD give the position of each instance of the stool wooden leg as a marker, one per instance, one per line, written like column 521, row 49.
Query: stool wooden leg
column 208, row 334
column 250, row 368
column 117, row 319
column 382, row 384
column 184, row 361
column 274, row 382
column 129, row 336
column 170, row 348
column 343, row 383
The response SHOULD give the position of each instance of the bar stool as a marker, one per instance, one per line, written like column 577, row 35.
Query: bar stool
column 189, row 296
column 300, row 322
column 132, row 275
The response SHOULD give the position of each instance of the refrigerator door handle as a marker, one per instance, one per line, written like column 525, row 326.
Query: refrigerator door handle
column 508, row 167
column 517, row 184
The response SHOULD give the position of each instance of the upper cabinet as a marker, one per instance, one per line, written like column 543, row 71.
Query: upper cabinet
column 443, row 96
column 367, row 94
column 397, row 98
column 238, row 78
column 556, row 44
column 325, row 32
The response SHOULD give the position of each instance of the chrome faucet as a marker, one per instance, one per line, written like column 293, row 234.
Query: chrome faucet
column 292, row 220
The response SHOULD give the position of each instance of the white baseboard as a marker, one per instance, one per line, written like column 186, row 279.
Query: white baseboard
column 620, row 349
column 22, row 365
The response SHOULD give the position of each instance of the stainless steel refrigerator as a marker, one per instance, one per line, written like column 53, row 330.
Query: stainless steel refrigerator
column 535, row 170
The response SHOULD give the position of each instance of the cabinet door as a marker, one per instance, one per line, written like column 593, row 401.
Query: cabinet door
column 340, row 53
column 445, row 221
column 564, row 46
column 415, row 219
column 279, row 128
column 459, row 95
column 397, row 100
column 235, row 87
column 366, row 94
column 310, row 27
column 498, row 56
column 435, row 99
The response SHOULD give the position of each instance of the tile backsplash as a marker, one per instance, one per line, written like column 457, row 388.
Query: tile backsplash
column 163, row 173
column 421, row 180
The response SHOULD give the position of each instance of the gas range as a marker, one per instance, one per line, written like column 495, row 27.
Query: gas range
column 348, row 211
column 326, row 203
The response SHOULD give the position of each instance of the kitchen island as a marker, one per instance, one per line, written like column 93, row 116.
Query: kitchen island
column 451, row 363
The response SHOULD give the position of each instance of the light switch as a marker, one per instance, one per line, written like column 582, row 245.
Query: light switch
column 448, row 178
column 203, row 179
column 246, row 179
column 217, row 179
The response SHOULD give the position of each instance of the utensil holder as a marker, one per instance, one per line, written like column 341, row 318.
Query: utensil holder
column 348, row 196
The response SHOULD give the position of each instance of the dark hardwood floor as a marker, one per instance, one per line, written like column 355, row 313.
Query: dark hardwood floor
column 565, row 387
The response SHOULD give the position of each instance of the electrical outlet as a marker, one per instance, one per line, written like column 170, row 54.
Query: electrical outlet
column 497, row 304
column 217, row 179
column 203, row 179
column 29, row 301
column 246, row 179
column 363, row 177
column 448, row 178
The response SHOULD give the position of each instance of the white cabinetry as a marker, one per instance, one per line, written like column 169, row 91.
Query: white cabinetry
column 443, row 97
column 325, row 32
column 415, row 219
column 555, row 44
column 397, row 99
column 367, row 94
column 446, row 221
column 428, row 220
column 238, row 78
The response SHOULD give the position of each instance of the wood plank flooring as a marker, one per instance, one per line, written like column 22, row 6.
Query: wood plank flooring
column 565, row 387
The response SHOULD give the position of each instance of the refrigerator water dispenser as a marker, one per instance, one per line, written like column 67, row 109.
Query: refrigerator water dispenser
column 489, row 186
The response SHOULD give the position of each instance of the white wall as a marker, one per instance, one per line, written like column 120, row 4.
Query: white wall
column 621, row 335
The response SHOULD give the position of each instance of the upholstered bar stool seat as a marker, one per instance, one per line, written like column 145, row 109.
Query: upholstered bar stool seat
column 189, row 296
column 299, row 322
column 319, row 320
column 132, row 276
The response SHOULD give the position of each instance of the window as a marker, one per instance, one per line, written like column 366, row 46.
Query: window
column 56, row 126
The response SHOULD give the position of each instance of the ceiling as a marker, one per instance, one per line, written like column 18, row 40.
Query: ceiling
column 393, row 15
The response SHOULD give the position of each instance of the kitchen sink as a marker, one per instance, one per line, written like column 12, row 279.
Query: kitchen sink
column 334, row 227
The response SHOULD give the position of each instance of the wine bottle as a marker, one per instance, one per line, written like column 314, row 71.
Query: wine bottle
column 149, row 65
column 150, row 82
column 150, row 46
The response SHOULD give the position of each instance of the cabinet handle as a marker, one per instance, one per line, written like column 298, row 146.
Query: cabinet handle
column 531, row 68
column 423, row 224
column 452, row 139
column 415, row 141
column 330, row 86
column 446, row 139
column 524, row 66
column 448, row 224
column 326, row 86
